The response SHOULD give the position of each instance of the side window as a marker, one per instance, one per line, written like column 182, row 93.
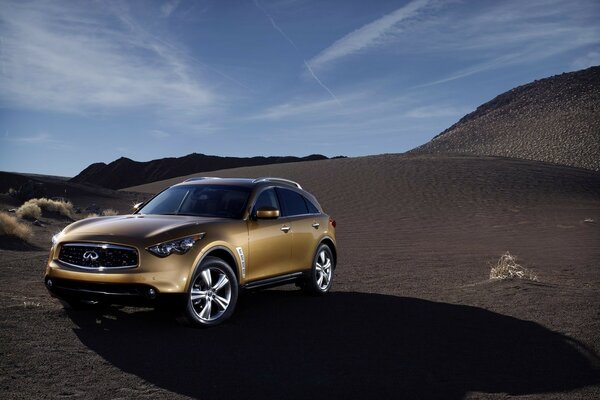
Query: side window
column 293, row 203
column 267, row 198
column 312, row 209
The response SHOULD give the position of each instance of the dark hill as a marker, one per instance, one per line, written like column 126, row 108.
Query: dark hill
column 556, row 120
column 52, row 186
column 124, row 172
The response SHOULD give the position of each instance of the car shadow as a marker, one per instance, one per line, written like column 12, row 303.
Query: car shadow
column 344, row 345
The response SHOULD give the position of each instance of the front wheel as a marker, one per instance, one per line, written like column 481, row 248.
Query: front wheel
column 321, row 275
column 212, row 295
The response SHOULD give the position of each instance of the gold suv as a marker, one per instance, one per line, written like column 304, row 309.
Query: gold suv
column 196, row 245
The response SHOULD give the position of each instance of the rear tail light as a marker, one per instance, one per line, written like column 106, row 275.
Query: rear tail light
column 332, row 222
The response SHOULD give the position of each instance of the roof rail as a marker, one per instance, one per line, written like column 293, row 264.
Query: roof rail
column 278, row 180
column 200, row 178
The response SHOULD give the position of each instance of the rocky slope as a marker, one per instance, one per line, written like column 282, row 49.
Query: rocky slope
column 556, row 120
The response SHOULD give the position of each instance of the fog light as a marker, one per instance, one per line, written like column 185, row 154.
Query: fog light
column 151, row 293
column 49, row 283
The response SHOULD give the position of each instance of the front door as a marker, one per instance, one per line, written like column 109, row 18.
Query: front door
column 270, row 241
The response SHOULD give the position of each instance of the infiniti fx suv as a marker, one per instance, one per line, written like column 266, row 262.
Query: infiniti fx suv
column 195, row 245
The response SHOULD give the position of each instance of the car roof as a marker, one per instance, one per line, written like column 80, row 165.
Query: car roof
column 244, row 182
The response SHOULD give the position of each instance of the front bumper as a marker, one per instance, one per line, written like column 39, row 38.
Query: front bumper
column 112, row 293
column 166, row 275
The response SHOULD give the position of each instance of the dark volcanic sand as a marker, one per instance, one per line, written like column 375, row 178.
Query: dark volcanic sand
column 412, row 315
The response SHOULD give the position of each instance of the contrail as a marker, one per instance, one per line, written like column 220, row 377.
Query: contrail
column 280, row 30
column 321, row 83
column 286, row 37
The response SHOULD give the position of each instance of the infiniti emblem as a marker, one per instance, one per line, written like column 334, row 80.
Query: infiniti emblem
column 90, row 255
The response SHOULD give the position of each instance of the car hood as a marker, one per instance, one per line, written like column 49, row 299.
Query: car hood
column 134, row 229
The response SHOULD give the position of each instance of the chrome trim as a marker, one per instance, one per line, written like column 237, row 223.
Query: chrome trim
column 94, row 268
column 278, row 180
column 200, row 178
column 277, row 280
column 240, row 252
column 101, row 246
column 90, row 255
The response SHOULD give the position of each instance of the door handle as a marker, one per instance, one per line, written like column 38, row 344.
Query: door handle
column 316, row 225
column 285, row 228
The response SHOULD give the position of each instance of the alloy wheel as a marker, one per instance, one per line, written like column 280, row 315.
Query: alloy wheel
column 323, row 267
column 210, row 294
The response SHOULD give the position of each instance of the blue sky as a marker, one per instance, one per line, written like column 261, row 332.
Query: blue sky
column 82, row 82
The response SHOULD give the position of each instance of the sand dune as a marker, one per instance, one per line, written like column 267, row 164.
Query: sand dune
column 413, row 313
column 401, row 213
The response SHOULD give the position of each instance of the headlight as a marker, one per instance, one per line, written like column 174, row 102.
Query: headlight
column 55, row 238
column 179, row 246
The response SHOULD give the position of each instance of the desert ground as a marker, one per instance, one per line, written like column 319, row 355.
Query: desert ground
column 413, row 313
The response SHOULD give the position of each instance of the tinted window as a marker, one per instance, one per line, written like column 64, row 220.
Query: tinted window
column 267, row 198
column 292, row 202
column 200, row 200
column 312, row 209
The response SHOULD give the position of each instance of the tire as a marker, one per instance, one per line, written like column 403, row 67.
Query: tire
column 212, row 295
column 320, row 278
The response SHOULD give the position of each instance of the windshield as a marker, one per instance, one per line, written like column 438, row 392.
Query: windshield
column 200, row 200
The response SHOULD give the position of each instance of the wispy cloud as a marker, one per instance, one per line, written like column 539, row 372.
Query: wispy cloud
column 437, row 111
column 369, row 35
column 360, row 106
column 589, row 60
column 176, row 55
column 167, row 8
column 290, row 41
column 484, row 37
column 40, row 138
column 297, row 108
column 63, row 58
column 508, row 34
column 159, row 134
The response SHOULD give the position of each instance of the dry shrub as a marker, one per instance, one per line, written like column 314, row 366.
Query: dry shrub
column 109, row 212
column 508, row 268
column 10, row 226
column 29, row 211
column 91, row 215
column 56, row 206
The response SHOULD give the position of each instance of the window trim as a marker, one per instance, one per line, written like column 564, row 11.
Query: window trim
column 278, row 188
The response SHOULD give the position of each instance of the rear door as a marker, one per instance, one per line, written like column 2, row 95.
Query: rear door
column 305, row 225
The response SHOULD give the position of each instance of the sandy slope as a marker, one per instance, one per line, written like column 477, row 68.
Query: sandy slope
column 413, row 314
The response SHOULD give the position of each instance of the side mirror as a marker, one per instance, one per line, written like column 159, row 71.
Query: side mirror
column 267, row 213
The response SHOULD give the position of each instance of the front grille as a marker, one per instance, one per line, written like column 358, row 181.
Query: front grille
column 98, row 256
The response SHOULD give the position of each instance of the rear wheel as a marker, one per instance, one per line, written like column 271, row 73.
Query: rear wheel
column 213, row 293
column 321, row 275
